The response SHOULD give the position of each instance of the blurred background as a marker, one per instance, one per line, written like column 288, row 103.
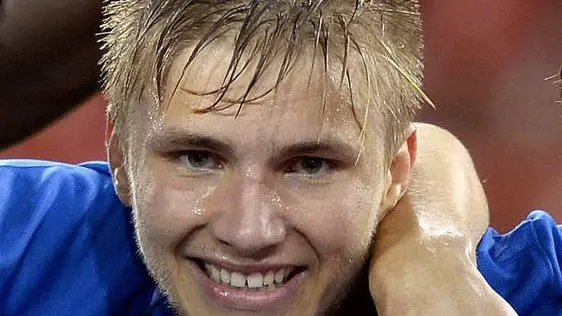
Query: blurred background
column 486, row 64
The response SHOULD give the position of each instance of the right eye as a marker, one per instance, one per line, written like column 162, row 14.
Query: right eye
column 200, row 160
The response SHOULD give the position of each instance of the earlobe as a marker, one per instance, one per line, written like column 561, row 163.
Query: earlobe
column 115, row 157
column 400, row 173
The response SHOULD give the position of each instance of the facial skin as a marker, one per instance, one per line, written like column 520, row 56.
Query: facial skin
column 278, row 188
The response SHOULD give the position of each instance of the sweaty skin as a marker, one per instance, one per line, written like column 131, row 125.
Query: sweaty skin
column 229, row 195
column 280, row 187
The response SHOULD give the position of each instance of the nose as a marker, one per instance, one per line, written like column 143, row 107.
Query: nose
column 249, row 220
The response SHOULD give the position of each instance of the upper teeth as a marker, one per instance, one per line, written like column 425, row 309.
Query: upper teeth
column 254, row 280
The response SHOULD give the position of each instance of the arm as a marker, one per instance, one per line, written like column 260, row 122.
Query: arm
column 424, row 256
column 48, row 61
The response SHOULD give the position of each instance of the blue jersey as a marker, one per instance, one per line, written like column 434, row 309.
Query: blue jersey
column 523, row 265
column 67, row 247
column 66, row 243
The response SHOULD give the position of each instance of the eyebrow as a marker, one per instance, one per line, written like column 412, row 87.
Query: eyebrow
column 329, row 146
column 178, row 139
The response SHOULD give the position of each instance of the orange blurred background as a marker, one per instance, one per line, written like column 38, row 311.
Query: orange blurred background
column 486, row 62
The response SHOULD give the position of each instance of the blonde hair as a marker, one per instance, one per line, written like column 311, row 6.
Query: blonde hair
column 141, row 38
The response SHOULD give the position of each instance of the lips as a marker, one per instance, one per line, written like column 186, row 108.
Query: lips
column 230, row 287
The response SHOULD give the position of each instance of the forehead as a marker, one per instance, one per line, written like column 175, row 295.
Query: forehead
column 304, row 106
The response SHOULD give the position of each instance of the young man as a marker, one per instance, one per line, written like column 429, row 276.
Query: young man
column 259, row 143
column 252, row 153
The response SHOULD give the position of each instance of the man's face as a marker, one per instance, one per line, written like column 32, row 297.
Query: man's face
column 267, row 213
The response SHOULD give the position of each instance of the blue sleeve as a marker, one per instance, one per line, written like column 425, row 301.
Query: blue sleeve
column 523, row 266
column 66, row 243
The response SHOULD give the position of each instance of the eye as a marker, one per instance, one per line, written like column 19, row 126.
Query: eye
column 310, row 166
column 200, row 160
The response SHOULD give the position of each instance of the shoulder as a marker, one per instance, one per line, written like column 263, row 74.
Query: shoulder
column 66, row 242
column 44, row 195
column 34, row 179
column 523, row 265
column 14, row 169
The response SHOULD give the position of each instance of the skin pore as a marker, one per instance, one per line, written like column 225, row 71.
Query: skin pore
column 277, row 188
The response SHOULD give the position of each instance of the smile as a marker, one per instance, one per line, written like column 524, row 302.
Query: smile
column 256, row 281
column 255, row 288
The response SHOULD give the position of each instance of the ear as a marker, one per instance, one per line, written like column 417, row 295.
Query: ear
column 400, row 173
column 116, row 159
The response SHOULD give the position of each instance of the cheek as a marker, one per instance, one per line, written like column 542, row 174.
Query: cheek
column 340, row 223
column 167, row 208
column 339, row 226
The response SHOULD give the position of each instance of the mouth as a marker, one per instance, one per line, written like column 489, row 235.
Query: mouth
column 249, row 287
column 268, row 279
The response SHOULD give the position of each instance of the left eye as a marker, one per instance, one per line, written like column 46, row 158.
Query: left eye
column 200, row 160
column 309, row 166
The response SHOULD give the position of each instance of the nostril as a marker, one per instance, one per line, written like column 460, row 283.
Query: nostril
column 247, row 231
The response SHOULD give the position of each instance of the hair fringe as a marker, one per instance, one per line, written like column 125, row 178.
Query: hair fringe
column 141, row 38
